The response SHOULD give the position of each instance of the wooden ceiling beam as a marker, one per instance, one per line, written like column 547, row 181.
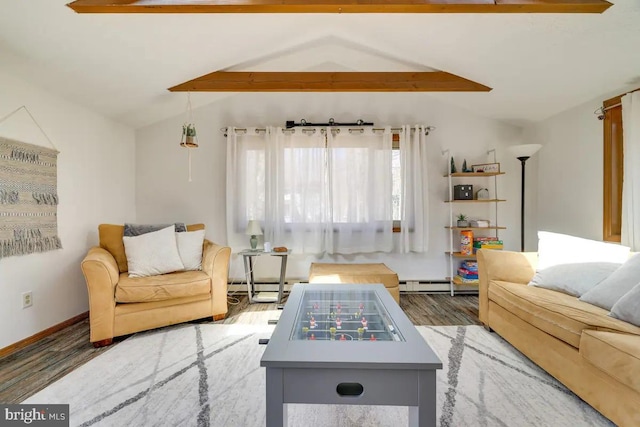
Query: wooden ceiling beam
column 339, row 6
column 236, row 81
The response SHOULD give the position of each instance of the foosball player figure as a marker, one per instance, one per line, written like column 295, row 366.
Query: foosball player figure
column 332, row 331
column 312, row 337
column 360, row 333
column 305, row 331
column 342, row 337
column 339, row 323
column 339, row 308
column 361, row 306
column 316, row 306
column 373, row 338
column 312, row 322
column 364, row 322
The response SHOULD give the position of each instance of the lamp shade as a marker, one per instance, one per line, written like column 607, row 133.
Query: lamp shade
column 253, row 228
column 524, row 150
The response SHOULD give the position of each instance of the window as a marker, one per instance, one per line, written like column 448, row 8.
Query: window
column 337, row 190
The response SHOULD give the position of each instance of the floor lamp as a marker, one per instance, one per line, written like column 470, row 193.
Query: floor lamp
column 522, row 153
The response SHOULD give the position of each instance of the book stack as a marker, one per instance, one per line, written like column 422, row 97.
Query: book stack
column 486, row 243
column 467, row 273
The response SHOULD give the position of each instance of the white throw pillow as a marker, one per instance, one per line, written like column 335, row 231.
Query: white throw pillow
column 614, row 287
column 555, row 248
column 190, row 249
column 153, row 253
column 573, row 279
column 628, row 307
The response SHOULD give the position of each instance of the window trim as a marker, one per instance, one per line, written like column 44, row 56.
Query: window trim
column 612, row 167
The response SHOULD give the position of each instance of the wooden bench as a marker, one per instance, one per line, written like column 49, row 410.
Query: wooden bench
column 356, row 273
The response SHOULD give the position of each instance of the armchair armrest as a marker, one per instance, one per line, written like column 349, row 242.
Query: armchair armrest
column 101, row 275
column 215, row 262
column 516, row 267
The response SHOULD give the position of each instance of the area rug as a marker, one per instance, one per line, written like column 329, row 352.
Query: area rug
column 210, row 375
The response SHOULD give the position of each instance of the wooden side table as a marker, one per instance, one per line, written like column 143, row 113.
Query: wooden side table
column 247, row 256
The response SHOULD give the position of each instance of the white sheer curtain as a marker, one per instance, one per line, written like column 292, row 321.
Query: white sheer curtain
column 360, row 183
column 245, row 181
column 631, row 179
column 296, row 189
column 414, row 207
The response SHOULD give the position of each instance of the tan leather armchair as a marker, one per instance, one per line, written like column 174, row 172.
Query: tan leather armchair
column 121, row 305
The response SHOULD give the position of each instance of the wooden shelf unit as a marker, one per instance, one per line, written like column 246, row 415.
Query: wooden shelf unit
column 454, row 256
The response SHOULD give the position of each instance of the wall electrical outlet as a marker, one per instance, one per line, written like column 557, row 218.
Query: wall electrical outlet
column 27, row 299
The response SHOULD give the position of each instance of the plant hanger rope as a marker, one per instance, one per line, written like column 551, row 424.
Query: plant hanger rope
column 189, row 136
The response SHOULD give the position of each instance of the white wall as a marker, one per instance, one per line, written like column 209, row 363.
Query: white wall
column 163, row 193
column 95, row 184
column 569, row 193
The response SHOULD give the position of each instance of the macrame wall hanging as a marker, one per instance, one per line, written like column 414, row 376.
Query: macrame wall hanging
column 28, row 195
column 189, row 138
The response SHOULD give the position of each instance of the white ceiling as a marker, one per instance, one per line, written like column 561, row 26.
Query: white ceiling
column 120, row 65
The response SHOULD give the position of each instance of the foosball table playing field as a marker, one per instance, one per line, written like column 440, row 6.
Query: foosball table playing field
column 348, row 344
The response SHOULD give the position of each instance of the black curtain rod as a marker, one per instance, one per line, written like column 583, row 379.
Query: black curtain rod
column 291, row 123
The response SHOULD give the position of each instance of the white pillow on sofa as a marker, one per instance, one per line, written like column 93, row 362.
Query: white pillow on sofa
column 627, row 308
column 190, row 248
column 153, row 253
column 556, row 248
column 614, row 287
column 573, row 279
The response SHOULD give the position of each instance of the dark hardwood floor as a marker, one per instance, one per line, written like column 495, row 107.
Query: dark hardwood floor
column 32, row 368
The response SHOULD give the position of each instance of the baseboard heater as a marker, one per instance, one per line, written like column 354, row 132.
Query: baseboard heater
column 406, row 286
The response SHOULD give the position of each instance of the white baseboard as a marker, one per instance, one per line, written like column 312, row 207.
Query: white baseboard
column 408, row 287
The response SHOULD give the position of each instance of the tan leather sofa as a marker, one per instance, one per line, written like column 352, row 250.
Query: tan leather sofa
column 121, row 305
column 594, row 355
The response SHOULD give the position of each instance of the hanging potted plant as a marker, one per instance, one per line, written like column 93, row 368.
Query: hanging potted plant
column 189, row 139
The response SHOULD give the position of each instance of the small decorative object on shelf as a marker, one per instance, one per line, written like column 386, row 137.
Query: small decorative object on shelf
column 466, row 242
column 465, row 168
column 482, row 194
column 479, row 223
column 462, row 221
column 463, row 192
column 486, row 167
column 453, row 166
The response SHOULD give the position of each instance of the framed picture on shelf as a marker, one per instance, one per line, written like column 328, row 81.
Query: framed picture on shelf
column 486, row 167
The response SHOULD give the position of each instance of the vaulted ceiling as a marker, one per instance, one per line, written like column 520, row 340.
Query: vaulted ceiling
column 121, row 65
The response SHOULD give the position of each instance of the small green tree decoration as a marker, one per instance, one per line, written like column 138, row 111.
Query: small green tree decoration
column 453, row 166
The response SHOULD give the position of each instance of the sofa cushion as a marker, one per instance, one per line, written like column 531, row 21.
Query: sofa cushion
column 573, row 279
column 628, row 307
column 153, row 253
column 131, row 230
column 556, row 248
column 111, row 239
column 558, row 314
column 162, row 287
column 190, row 246
column 615, row 354
column 611, row 289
